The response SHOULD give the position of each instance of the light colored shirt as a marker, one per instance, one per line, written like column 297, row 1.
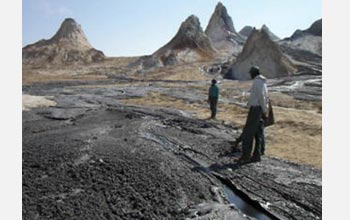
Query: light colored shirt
column 259, row 93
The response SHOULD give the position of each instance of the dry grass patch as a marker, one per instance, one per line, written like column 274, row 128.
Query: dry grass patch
column 30, row 78
column 113, row 85
column 186, row 72
column 283, row 100
column 88, row 72
column 296, row 136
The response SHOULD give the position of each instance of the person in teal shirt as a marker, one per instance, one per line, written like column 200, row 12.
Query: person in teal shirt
column 213, row 98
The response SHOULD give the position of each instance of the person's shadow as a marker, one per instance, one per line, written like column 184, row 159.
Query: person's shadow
column 233, row 152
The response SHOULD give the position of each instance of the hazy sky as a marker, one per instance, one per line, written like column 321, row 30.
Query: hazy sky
column 140, row 27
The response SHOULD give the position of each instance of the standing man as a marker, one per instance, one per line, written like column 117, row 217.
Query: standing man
column 258, row 111
column 213, row 98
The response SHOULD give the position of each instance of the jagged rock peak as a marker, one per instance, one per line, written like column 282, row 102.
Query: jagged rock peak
column 220, row 18
column 222, row 33
column 272, row 35
column 190, row 44
column 190, row 26
column 190, row 35
column 71, row 32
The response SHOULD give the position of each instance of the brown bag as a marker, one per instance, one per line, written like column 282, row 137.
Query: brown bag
column 270, row 120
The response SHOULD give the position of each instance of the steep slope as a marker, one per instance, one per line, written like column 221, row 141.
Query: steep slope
column 260, row 50
column 190, row 39
column 68, row 46
column 190, row 44
column 222, row 33
column 271, row 35
column 315, row 29
column 309, row 40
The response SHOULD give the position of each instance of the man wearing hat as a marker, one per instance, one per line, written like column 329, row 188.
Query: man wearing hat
column 213, row 98
column 258, row 110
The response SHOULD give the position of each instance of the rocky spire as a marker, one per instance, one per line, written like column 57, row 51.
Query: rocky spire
column 70, row 33
column 271, row 35
column 260, row 50
column 220, row 24
column 190, row 35
column 190, row 44
column 68, row 46
column 222, row 33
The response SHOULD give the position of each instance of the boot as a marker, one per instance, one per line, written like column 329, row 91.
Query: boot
column 255, row 158
column 243, row 159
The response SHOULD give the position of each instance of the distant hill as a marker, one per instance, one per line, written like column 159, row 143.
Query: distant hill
column 315, row 29
column 309, row 40
column 68, row 46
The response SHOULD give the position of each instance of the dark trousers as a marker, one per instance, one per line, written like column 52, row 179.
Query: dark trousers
column 260, row 136
column 254, row 128
column 213, row 101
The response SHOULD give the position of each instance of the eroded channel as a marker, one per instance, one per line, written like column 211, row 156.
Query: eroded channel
column 240, row 200
column 235, row 197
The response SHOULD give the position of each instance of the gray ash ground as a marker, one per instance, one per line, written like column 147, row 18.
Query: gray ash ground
column 90, row 157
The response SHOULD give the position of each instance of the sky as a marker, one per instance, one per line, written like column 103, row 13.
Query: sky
column 140, row 27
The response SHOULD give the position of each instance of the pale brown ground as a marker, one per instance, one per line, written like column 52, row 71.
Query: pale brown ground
column 296, row 136
column 93, row 72
column 30, row 101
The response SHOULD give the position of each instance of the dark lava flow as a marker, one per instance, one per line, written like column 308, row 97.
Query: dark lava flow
column 243, row 203
column 90, row 157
